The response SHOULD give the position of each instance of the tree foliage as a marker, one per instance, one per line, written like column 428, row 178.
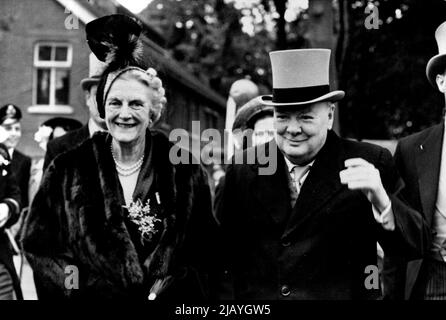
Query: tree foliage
column 382, row 70
column 387, row 92
column 207, row 37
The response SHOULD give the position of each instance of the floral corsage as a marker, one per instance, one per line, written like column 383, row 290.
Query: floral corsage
column 3, row 164
column 140, row 215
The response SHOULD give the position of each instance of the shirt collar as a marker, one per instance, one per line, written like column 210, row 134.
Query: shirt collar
column 10, row 151
column 93, row 127
column 291, row 166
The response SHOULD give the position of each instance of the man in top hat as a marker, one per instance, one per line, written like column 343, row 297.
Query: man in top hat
column 421, row 161
column 309, row 230
column 10, row 116
column 95, row 123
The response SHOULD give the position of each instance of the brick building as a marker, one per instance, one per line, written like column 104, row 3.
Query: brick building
column 44, row 56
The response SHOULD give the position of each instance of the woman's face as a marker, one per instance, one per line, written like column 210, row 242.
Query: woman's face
column 58, row 132
column 127, row 110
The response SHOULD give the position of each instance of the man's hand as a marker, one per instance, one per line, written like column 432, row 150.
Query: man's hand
column 4, row 214
column 362, row 175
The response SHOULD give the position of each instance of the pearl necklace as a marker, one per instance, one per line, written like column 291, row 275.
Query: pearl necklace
column 127, row 171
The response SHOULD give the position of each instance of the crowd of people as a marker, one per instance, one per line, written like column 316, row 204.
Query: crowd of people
column 108, row 201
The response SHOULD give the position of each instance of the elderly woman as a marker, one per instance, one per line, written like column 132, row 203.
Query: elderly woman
column 113, row 217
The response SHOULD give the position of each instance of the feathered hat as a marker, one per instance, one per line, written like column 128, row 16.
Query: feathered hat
column 95, row 70
column 115, row 40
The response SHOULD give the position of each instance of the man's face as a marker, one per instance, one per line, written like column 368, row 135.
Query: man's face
column 90, row 100
column 14, row 132
column 301, row 131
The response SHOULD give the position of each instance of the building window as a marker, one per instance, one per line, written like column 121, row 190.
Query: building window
column 52, row 65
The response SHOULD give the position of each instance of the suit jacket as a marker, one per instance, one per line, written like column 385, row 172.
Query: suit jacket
column 9, row 190
column 320, row 248
column 21, row 166
column 418, row 159
column 77, row 218
column 62, row 144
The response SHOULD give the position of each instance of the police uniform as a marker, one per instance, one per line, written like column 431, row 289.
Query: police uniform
column 20, row 163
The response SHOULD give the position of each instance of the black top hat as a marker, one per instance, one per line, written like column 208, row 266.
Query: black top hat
column 10, row 114
column 300, row 77
column 67, row 124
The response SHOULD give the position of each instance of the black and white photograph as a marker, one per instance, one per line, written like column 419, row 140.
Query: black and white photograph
column 222, row 159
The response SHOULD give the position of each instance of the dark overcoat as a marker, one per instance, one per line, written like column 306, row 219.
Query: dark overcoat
column 9, row 190
column 21, row 166
column 418, row 159
column 319, row 249
column 78, row 219
column 64, row 143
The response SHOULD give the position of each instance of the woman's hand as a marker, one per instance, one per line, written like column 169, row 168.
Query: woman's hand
column 362, row 175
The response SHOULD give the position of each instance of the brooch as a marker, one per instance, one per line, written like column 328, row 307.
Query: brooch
column 140, row 215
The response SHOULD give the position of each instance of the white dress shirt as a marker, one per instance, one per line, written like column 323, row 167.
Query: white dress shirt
column 298, row 173
column 385, row 218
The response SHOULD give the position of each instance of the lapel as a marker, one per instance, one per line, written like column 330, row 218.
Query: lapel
column 157, row 174
column 272, row 191
column 123, row 254
column 428, row 160
column 84, row 133
column 321, row 185
column 146, row 177
column 17, row 157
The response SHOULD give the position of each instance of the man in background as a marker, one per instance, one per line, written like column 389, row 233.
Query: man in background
column 95, row 123
column 10, row 116
column 9, row 214
column 421, row 161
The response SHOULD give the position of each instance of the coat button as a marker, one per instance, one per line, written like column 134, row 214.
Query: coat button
column 285, row 291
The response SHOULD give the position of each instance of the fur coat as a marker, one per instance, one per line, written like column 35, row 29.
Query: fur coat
column 78, row 219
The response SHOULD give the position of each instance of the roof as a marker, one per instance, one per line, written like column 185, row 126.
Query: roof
column 153, row 40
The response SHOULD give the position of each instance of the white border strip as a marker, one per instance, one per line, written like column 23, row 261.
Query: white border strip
column 79, row 11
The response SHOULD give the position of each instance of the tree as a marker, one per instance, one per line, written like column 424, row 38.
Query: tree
column 208, row 38
column 383, row 73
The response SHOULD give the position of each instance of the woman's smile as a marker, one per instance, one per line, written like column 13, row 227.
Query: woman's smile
column 126, row 125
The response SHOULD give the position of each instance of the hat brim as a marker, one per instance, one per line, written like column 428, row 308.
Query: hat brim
column 331, row 96
column 88, row 82
column 436, row 65
column 9, row 121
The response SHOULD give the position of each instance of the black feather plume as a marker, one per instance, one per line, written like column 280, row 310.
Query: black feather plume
column 114, row 39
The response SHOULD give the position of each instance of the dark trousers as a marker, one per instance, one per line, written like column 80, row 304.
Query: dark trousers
column 6, row 285
column 431, row 284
